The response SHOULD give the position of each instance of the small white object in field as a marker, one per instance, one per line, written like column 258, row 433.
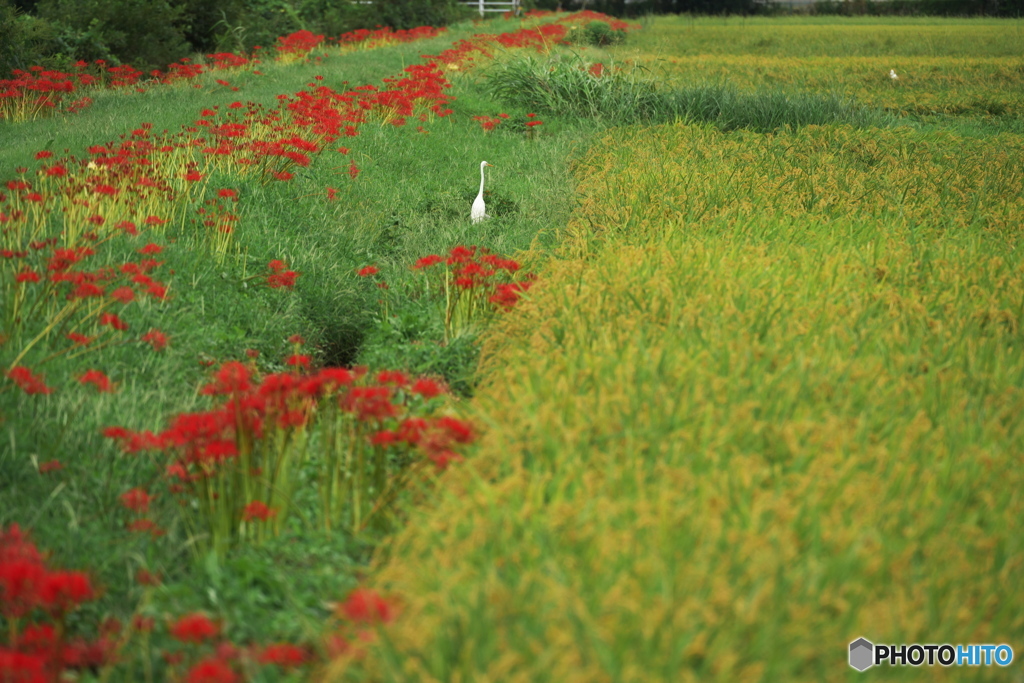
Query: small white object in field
column 892, row 75
column 479, row 210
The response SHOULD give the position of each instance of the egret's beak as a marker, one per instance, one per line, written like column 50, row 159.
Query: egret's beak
column 490, row 164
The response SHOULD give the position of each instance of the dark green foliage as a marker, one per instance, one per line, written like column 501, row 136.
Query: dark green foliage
column 25, row 40
column 567, row 87
column 144, row 33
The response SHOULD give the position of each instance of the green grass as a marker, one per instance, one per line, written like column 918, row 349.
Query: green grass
column 411, row 198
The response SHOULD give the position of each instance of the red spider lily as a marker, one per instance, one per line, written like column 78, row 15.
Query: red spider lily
column 369, row 403
column 228, row 194
column 296, row 339
column 282, row 280
column 156, row 338
column 428, row 261
column 277, row 265
column 193, row 176
column 368, row 271
column 427, row 388
column 396, row 377
column 151, row 249
column 27, row 382
column 50, row 466
column 353, row 171
column 283, row 655
column 258, row 511
column 123, row 294
column 385, row 437
column 194, row 628
column 27, row 275
column 113, row 321
column 63, row 591
column 231, row 378
column 298, row 361
column 98, row 379
column 137, row 500
column 212, row 670
column 332, row 194
column 366, row 606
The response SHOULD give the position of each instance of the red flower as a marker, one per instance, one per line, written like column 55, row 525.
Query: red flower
column 257, row 510
column 367, row 607
column 50, row 466
column 332, row 194
column 29, row 383
column 283, row 655
column 80, row 339
column 194, row 628
column 232, row 377
column 193, row 176
column 227, row 193
column 396, row 377
column 137, row 500
column 385, row 437
column 44, row 154
column 156, row 338
column 427, row 388
column 64, row 590
column 296, row 339
column 277, row 265
column 353, row 171
column 113, row 321
column 98, row 379
column 298, row 360
column 458, row 430
column 368, row 270
column 27, row 275
column 151, row 249
column 212, row 670
column 427, row 261
column 285, row 280
column 123, row 294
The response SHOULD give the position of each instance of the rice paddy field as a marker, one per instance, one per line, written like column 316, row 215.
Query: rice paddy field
column 759, row 396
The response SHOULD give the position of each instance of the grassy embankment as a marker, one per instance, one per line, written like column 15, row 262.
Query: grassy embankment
column 411, row 197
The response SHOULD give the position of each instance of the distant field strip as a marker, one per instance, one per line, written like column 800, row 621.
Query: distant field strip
column 944, row 66
column 765, row 401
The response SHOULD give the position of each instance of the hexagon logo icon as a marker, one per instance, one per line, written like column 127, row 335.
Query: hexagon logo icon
column 861, row 654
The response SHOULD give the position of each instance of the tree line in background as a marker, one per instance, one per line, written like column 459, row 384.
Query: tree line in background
column 155, row 33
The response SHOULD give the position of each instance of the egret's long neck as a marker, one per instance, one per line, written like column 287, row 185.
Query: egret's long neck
column 481, row 194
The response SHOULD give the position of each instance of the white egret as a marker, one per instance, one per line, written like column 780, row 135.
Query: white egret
column 479, row 210
column 892, row 75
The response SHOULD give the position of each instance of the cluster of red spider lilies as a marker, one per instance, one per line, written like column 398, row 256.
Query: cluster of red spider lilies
column 36, row 601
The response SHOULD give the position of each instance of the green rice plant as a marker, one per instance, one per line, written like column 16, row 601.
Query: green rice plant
column 616, row 95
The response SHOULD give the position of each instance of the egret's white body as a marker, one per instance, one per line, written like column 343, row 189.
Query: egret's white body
column 479, row 210
column 892, row 75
